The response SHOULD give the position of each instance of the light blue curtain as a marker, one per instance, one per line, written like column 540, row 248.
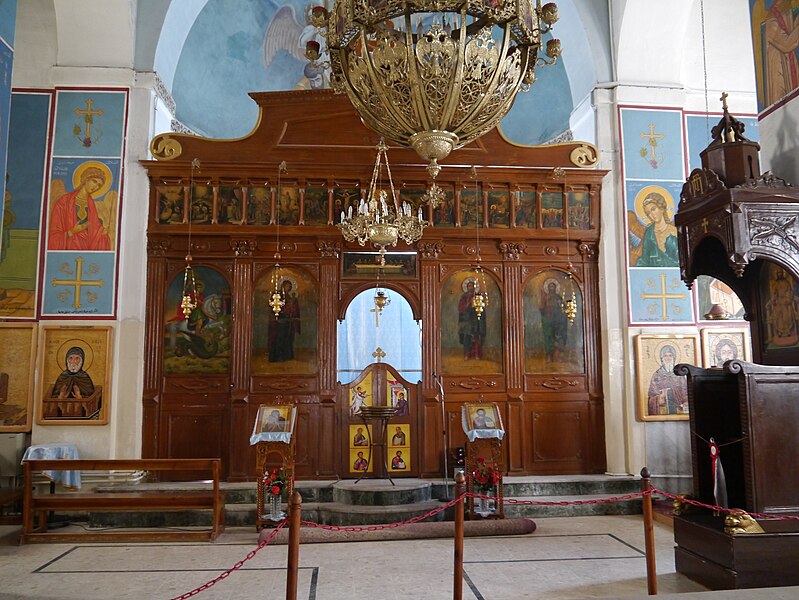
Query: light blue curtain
column 398, row 335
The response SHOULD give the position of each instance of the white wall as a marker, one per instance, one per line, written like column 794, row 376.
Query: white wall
column 90, row 44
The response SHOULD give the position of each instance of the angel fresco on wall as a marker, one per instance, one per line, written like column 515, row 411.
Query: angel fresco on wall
column 286, row 33
column 84, row 218
column 653, row 235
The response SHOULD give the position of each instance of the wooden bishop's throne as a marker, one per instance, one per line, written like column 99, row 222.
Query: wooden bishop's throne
column 742, row 228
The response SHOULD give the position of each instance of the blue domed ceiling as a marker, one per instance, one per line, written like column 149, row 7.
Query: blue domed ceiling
column 234, row 47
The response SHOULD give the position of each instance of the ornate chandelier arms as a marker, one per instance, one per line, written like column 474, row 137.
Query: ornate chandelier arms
column 451, row 104
column 488, row 92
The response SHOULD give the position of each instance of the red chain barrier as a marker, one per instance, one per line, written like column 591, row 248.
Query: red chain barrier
column 357, row 528
column 560, row 502
column 235, row 567
column 722, row 508
column 443, row 507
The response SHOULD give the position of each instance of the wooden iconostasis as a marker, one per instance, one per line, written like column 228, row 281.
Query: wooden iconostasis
column 535, row 230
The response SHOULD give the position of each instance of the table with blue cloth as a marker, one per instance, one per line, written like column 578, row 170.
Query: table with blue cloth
column 68, row 479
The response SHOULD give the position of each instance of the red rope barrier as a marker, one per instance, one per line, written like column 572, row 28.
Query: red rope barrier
column 561, row 502
column 358, row 528
column 235, row 567
column 724, row 509
column 451, row 503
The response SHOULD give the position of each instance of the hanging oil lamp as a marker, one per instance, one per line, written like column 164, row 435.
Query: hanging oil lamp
column 381, row 300
column 276, row 300
column 569, row 300
column 480, row 296
column 188, row 302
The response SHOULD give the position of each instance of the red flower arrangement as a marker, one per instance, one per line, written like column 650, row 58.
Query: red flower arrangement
column 485, row 476
column 274, row 481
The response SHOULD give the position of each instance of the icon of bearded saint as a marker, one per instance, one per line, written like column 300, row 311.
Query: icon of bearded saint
column 286, row 34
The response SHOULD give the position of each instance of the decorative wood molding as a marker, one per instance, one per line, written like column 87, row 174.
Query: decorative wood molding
column 512, row 250
column 287, row 247
column 283, row 386
column 165, row 147
column 158, row 247
column 585, row 155
column 197, row 386
column 200, row 246
column 556, row 383
column 243, row 247
column 551, row 251
column 430, row 249
column 328, row 249
column 588, row 250
column 473, row 383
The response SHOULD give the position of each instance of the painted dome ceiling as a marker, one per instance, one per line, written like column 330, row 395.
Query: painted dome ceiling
column 212, row 53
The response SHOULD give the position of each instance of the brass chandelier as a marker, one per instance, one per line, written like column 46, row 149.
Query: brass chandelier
column 380, row 219
column 434, row 75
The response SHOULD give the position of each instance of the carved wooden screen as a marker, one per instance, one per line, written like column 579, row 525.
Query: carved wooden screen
column 511, row 211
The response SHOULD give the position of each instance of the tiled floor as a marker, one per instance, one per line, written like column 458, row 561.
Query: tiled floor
column 569, row 557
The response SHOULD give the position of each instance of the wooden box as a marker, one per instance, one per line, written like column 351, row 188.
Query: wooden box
column 720, row 561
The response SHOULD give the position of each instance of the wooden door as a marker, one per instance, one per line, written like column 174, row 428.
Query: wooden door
column 398, row 453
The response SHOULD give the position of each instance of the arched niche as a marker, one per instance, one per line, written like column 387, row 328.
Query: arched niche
column 286, row 343
column 394, row 330
column 470, row 344
column 392, row 287
column 551, row 343
column 200, row 343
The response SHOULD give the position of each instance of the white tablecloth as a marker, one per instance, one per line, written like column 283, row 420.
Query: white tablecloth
column 69, row 479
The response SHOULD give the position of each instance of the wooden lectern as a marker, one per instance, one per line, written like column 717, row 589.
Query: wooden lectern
column 741, row 228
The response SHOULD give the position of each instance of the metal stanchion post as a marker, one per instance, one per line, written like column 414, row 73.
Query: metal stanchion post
column 295, row 509
column 457, row 584
column 649, row 534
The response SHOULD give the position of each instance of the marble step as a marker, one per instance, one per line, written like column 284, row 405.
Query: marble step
column 336, row 513
column 380, row 491
column 375, row 501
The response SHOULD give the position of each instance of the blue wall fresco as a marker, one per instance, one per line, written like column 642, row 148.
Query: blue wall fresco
column 8, row 21
column 80, row 269
column 654, row 174
column 262, row 50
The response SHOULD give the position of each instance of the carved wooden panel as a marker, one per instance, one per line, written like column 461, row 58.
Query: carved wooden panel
column 522, row 235
column 192, row 431
column 558, row 436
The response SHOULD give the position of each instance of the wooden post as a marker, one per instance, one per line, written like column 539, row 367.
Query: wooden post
column 295, row 508
column 649, row 535
column 457, row 587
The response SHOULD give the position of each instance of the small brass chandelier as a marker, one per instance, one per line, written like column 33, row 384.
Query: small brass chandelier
column 381, row 300
column 569, row 297
column 429, row 74
column 480, row 296
column 380, row 219
column 188, row 300
column 276, row 299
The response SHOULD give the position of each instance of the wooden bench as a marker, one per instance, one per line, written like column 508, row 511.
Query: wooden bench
column 36, row 506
